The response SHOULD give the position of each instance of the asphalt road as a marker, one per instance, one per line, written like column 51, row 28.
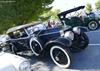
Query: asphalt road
column 87, row 60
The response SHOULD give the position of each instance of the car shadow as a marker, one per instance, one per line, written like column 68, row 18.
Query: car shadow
column 40, row 63
column 86, row 60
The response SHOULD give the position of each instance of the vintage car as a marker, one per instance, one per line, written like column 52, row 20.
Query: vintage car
column 40, row 39
column 77, row 19
column 11, row 62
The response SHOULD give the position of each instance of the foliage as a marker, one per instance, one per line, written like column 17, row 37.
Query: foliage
column 88, row 8
column 51, row 14
column 17, row 12
column 97, row 5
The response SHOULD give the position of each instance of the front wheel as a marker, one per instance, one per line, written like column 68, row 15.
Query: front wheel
column 60, row 56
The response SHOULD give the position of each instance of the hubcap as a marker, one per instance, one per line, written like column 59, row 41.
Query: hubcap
column 57, row 58
column 93, row 25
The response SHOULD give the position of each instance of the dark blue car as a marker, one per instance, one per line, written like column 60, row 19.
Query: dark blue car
column 40, row 39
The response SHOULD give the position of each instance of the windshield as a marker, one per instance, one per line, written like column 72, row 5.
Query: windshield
column 35, row 28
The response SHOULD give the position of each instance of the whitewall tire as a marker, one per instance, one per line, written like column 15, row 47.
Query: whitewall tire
column 35, row 46
column 63, row 60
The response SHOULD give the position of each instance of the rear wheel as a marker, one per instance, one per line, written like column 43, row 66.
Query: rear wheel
column 84, row 41
column 60, row 56
column 93, row 25
column 81, row 43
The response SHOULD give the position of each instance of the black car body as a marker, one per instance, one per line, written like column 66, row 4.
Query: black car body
column 40, row 39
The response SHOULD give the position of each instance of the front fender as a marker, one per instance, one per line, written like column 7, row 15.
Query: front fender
column 60, row 41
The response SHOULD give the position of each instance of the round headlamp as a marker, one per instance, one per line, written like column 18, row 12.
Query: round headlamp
column 61, row 32
column 77, row 30
column 25, row 66
column 69, row 35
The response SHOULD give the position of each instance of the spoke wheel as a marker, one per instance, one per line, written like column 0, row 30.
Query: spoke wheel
column 93, row 25
column 35, row 46
column 60, row 56
column 82, row 43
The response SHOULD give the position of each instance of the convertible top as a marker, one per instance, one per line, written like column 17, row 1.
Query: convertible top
column 22, row 26
column 71, row 10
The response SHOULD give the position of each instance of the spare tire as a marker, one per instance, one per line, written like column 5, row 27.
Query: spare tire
column 35, row 46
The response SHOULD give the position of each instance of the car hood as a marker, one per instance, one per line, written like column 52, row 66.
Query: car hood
column 7, row 67
column 10, row 62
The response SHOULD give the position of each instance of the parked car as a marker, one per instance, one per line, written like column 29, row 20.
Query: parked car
column 40, row 39
column 11, row 62
column 97, row 13
column 89, row 20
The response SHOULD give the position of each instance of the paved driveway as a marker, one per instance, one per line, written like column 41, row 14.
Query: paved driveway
column 88, row 60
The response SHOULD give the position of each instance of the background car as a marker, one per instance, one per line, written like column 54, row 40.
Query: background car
column 89, row 20
column 11, row 62
column 97, row 13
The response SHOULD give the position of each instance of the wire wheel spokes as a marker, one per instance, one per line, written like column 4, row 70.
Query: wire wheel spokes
column 60, row 56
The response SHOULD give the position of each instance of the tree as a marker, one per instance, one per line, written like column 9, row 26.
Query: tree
column 51, row 14
column 17, row 12
column 54, row 14
column 88, row 8
column 97, row 5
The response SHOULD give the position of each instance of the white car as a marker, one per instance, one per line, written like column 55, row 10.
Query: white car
column 11, row 62
column 97, row 13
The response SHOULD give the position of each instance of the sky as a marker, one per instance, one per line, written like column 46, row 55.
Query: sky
column 68, row 4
